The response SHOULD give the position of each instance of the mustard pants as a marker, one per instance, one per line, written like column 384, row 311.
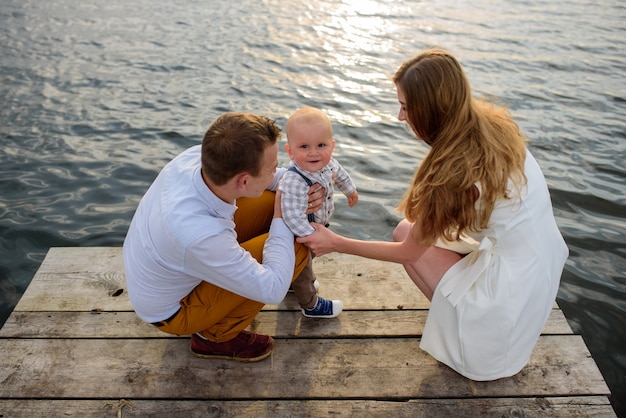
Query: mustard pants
column 220, row 315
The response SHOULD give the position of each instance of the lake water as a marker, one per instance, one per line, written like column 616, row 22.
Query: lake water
column 95, row 97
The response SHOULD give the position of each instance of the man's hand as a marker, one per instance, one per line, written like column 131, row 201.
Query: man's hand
column 317, row 194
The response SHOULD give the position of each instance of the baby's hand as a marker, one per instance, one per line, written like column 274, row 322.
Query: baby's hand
column 352, row 198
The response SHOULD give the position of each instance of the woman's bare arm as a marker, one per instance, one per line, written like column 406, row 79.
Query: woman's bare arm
column 324, row 241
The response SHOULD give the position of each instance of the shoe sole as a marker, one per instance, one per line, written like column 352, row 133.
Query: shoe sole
column 320, row 316
column 240, row 359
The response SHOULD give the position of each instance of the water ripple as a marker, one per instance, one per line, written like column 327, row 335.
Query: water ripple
column 97, row 96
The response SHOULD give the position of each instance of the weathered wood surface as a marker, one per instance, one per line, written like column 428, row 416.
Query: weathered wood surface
column 280, row 324
column 85, row 279
column 73, row 347
column 383, row 368
column 418, row 408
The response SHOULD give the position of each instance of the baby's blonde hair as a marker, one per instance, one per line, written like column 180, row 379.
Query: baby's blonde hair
column 307, row 114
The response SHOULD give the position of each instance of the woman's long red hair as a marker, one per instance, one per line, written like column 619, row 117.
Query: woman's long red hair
column 472, row 141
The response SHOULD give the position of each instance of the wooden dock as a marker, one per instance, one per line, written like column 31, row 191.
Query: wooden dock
column 74, row 347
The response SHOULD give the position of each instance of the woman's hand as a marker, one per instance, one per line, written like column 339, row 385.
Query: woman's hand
column 322, row 241
column 317, row 194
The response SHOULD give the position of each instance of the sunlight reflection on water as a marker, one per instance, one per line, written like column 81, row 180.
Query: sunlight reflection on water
column 97, row 97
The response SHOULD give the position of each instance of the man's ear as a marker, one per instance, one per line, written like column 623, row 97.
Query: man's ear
column 242, row 181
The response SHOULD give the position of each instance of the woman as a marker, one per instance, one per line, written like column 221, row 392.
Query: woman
column 479, row 238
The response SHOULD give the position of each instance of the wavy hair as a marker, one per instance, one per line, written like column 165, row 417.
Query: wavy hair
column 472, row 141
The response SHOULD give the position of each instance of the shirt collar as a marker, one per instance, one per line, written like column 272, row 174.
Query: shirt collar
column 217, row 207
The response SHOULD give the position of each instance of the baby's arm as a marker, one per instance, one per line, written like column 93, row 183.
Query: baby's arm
column 353, row 198
column 344, row 183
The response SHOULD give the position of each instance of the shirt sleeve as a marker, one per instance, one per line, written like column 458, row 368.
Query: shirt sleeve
column 342, row 178
column 277, row 177
column 220, row 260
column 294, row 203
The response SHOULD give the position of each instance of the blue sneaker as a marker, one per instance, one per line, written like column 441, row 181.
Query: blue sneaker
column 324, row 309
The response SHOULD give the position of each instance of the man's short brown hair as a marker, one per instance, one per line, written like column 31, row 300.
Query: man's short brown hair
column 235, row 143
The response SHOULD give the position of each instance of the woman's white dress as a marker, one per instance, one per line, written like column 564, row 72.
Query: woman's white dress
column 489, row 309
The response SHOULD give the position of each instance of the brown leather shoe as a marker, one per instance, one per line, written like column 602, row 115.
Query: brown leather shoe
column 247, row 346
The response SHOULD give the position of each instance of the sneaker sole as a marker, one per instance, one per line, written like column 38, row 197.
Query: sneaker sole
column 320, row 316
column 240, row 359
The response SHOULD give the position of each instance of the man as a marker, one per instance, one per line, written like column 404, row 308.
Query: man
column 207, row 246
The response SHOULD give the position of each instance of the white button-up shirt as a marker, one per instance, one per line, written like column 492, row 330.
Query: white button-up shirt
column 182, row 234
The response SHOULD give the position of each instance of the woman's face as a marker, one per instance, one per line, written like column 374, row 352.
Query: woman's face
column 402, row 114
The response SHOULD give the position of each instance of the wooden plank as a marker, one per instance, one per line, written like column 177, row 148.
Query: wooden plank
column 83, row 279
column 91, row 278
column 381, row 368
column 72, row 279
column 80, row 291
column 75, row 342
column 63, row 260
column 580, row 406
column 281, row 324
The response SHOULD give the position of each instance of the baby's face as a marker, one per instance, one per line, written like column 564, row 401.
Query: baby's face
column 310, row 145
